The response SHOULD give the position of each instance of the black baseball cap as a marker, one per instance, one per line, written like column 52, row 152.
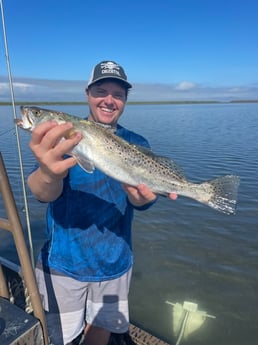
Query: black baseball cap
column 108, row 69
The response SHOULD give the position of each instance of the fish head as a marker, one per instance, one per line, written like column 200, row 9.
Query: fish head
column 31, row 117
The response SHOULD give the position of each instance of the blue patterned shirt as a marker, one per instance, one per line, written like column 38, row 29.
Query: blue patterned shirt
column 89, row 225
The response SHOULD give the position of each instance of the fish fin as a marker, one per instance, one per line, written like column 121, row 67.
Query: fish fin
column 224, row 193
column 172, row 165
column 103, row 125
column 145, row 150
column 84, row 163
column 165, row 161
column 106, row 126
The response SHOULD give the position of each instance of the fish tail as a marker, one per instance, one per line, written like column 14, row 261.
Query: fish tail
column 223, row 196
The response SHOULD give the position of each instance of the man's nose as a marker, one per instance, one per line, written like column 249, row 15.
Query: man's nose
column 109, row 98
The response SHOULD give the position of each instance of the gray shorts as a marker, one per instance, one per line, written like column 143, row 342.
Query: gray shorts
column 70, row 304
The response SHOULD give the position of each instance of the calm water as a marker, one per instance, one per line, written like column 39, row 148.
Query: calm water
column 184, row 251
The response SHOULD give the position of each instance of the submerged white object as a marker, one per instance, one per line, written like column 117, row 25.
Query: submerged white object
column 186, row 319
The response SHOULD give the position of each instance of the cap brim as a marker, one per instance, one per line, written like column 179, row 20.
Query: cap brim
column 128, row 85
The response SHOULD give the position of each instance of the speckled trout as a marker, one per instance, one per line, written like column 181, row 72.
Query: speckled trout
column 101, row 148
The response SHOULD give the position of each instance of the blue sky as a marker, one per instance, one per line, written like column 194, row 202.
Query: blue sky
column 170, row 49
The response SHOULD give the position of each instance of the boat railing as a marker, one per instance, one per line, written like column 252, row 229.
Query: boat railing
column 12, row 224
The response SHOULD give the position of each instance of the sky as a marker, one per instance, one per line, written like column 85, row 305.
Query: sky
column 170, row 49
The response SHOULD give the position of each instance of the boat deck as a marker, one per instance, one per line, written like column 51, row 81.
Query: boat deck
column 12, row 273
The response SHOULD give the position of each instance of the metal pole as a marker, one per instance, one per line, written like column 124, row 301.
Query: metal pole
column 13, row 225
column 17, row 135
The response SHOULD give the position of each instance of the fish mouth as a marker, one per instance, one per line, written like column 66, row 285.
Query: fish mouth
column 18, row 122
column 28, row 118
column 24, row 109
column 26, row 122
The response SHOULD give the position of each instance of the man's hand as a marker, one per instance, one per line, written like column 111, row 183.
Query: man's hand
column 46, row 183
column 141, row 195
column 49, row 149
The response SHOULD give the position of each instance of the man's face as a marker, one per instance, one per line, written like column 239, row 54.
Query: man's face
column 106, row 102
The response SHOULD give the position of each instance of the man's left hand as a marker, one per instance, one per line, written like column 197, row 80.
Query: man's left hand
column 141, row 195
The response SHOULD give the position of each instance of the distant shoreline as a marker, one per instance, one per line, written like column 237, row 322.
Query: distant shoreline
column 131, row 102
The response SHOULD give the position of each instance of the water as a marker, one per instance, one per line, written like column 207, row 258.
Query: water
column 184, row 251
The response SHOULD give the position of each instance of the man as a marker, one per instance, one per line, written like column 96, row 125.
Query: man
column 84, row 267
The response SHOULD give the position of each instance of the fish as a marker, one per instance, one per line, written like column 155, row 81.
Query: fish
column 131, row 164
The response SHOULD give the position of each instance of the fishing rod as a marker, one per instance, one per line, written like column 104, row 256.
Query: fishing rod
column 17, row 135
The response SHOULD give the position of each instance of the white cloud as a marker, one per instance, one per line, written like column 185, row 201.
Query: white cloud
column 234, row 89
column 23, row 88
column 29, row 89
column 185, row 85
column 18, row 86
column 4, row 86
